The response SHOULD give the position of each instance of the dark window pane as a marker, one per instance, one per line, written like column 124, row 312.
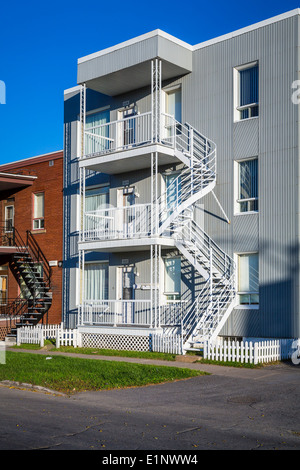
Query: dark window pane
column 248, row 179
column 249, row 86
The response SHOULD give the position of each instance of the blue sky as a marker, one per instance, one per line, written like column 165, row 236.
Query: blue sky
column 40, row 43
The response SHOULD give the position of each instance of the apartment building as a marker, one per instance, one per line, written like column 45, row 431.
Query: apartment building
column 31, row 204
column 181, row 167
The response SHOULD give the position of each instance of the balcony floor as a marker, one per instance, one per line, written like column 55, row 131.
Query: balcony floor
column 8, row 250
column 131, row 159
column 130, row 244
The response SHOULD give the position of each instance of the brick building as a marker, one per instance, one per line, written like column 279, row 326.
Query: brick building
column 31, row 205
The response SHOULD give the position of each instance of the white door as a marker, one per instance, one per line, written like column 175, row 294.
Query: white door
column 125, row 293
column 125, row 222
column 126, row 128
column 173, row 114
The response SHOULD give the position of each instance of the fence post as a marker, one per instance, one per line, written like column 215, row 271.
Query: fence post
column 255, row 353
column 79, row 339
column 41, row 334
column 18, row 337
column 58, row 338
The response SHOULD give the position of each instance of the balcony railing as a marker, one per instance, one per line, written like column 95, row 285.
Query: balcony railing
column 118, row 223
column 136, row 131
column 116, row 312
column 118, row 135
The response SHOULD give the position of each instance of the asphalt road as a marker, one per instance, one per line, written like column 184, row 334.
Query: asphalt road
column 231, row 409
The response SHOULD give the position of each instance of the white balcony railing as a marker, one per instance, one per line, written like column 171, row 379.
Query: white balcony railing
column 119, row 135
column 136, row 131
column 116, row 312
column 118, row 223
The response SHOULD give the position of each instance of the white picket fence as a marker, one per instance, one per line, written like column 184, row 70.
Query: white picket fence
column 68, row 338
column 39, row 333
column 252, row 352
column 167, row 344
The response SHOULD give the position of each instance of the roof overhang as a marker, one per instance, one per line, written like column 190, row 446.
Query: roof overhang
column 127, row 66
column 9, row 181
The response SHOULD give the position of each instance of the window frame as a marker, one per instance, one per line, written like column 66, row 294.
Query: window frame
column 171, row 296
column 236, row 93
column 98, row 263
column 40, row 219
column 249, row 306
column 237, row 200
column 6, row 219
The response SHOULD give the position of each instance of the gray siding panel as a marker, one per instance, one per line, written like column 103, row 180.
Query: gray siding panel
column 273, row 137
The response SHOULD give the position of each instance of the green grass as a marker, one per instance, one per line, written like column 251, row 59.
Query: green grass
column 118, row 353
column 104, row 352
column 71, row 375
column 231, row 364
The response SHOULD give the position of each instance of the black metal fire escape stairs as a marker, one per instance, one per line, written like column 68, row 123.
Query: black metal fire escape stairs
column 33, row 273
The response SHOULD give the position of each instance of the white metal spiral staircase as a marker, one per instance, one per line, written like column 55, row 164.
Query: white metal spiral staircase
column 213, row 304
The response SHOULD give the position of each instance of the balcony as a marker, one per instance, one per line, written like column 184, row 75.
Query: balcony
column 119, row 228
column 114, row 147
column 118, row 223
column 130, row 313
column 116, row 312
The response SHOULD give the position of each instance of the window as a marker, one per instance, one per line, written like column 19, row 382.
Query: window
column 172, row 288
column 38, row 211
column 248, row 284
column 9, row 218
column 246, row 91
column 96, row 198
column 3, row 289
column 247, row 196
column 97, row 132
column 96, row 281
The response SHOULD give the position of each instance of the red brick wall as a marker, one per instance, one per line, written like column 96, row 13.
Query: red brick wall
column 50, row 239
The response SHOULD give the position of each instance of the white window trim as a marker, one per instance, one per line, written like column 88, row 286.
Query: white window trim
column 236, row 207
column 236, row 92
column 236, row 260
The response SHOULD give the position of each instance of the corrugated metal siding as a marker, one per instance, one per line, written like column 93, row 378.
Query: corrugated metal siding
column 208, row 105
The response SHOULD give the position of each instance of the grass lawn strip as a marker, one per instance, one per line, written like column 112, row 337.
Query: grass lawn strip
column 104, row 352
column 72, row 375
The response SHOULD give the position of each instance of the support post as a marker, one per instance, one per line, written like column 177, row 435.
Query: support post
column 155, row 99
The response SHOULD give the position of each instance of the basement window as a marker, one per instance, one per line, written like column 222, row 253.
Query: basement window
column 248, row 280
